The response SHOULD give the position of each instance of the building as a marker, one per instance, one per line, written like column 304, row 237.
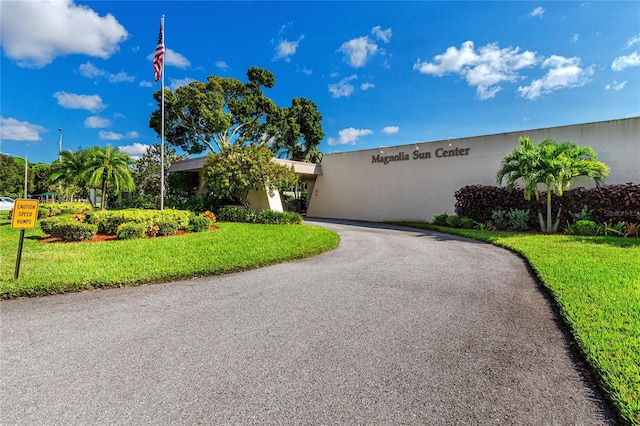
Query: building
column 418, row 181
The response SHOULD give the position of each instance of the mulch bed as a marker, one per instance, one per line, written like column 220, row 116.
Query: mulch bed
column 99, row 238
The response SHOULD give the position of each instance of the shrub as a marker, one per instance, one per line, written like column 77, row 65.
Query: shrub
column 54, row 209
column 73, row 231
column 467, row 223
column 585, row 227
column 518, row 220
column 48, row 223
column 43, row 212
column 152, row 231
column 632, row 229
column 479, row 201
column 180, row 217
column 453, row 221
column 278, row 218
column 210, row 215
column 109, row 220
column 199, row 223
column 499, row 219
column 235, row 214
column 129, row 230
column 610, row 229
column 584, row 214
column 441, row 219
column 166, row 226
column 485, row 226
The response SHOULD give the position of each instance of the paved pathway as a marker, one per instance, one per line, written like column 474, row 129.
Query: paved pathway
column 393, row 327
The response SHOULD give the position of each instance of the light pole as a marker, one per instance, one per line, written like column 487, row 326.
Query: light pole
column 59, row 143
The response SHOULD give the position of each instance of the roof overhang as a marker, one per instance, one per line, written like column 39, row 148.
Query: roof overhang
column 302, row 169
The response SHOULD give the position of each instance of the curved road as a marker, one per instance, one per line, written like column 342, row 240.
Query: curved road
column 395, row 326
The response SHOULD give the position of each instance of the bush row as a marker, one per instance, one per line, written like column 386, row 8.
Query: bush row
column 516, row 220
column 108, row 221
column 606, row 204
column 54, row 209
column 126, row 224
column 234, row 214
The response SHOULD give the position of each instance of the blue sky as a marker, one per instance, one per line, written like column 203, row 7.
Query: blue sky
column 381, row 73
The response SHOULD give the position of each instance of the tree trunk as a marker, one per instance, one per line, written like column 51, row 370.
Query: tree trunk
column 541, row 220
column 557, row 224
column 549, row 219
column 103, row 195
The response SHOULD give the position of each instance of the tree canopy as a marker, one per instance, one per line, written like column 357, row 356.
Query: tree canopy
column 239, row 169
column 224, row 112
column 146, row 175
column 109, row 168
column 552, row 164
column 71, row 170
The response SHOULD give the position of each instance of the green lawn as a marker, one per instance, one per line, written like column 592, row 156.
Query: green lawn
column 63, row 267
column 596, row 284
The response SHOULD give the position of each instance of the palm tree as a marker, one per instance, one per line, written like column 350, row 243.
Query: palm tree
column 71, row 168
column 552, row 164
column 109, row 167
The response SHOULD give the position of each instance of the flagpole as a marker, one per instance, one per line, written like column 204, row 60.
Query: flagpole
column 162, row 127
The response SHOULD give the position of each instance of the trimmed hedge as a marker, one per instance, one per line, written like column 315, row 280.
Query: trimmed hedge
column 48, row 223
column 199, row 223
column 55, row 209
column 109, row 220
column 268, row 217
column 73, row 231
column 130, row 230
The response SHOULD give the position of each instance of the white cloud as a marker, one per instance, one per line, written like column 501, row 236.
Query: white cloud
column 34, row 33
column 623, row 62
column 633, row 40
column 538, row 11
column 384, row 35
column 95, row 122
column 172, row 58
column 564, row 73
column 14, row 130
column 91, row 103
column 367, row 86
column 342, row 88
column 121, row 76
column 179, row 82
column 113, row 136
column 349, row 136
column 286, row 48
column 575, row 37
column 222, row 65
column 484, row 69
column 136, row 150
column 615, row 86
column 145, row 83
column 90, row 71
column 306, row 71
column 452, row 60
column 358, row 51
column 390, row 130
column 110, row 136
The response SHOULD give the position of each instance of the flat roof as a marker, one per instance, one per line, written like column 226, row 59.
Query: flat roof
column 301, row 168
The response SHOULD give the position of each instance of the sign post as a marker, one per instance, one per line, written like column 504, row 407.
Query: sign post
column 25, row 214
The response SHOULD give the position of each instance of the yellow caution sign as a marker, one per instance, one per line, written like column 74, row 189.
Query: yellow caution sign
column 25, row 214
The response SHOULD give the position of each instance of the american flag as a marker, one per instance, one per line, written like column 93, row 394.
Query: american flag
column 159, row 56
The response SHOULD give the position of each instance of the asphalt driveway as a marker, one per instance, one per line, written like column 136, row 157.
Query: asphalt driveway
column 395, row 326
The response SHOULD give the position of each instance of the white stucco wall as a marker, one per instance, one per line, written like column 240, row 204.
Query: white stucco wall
column 352, row 186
